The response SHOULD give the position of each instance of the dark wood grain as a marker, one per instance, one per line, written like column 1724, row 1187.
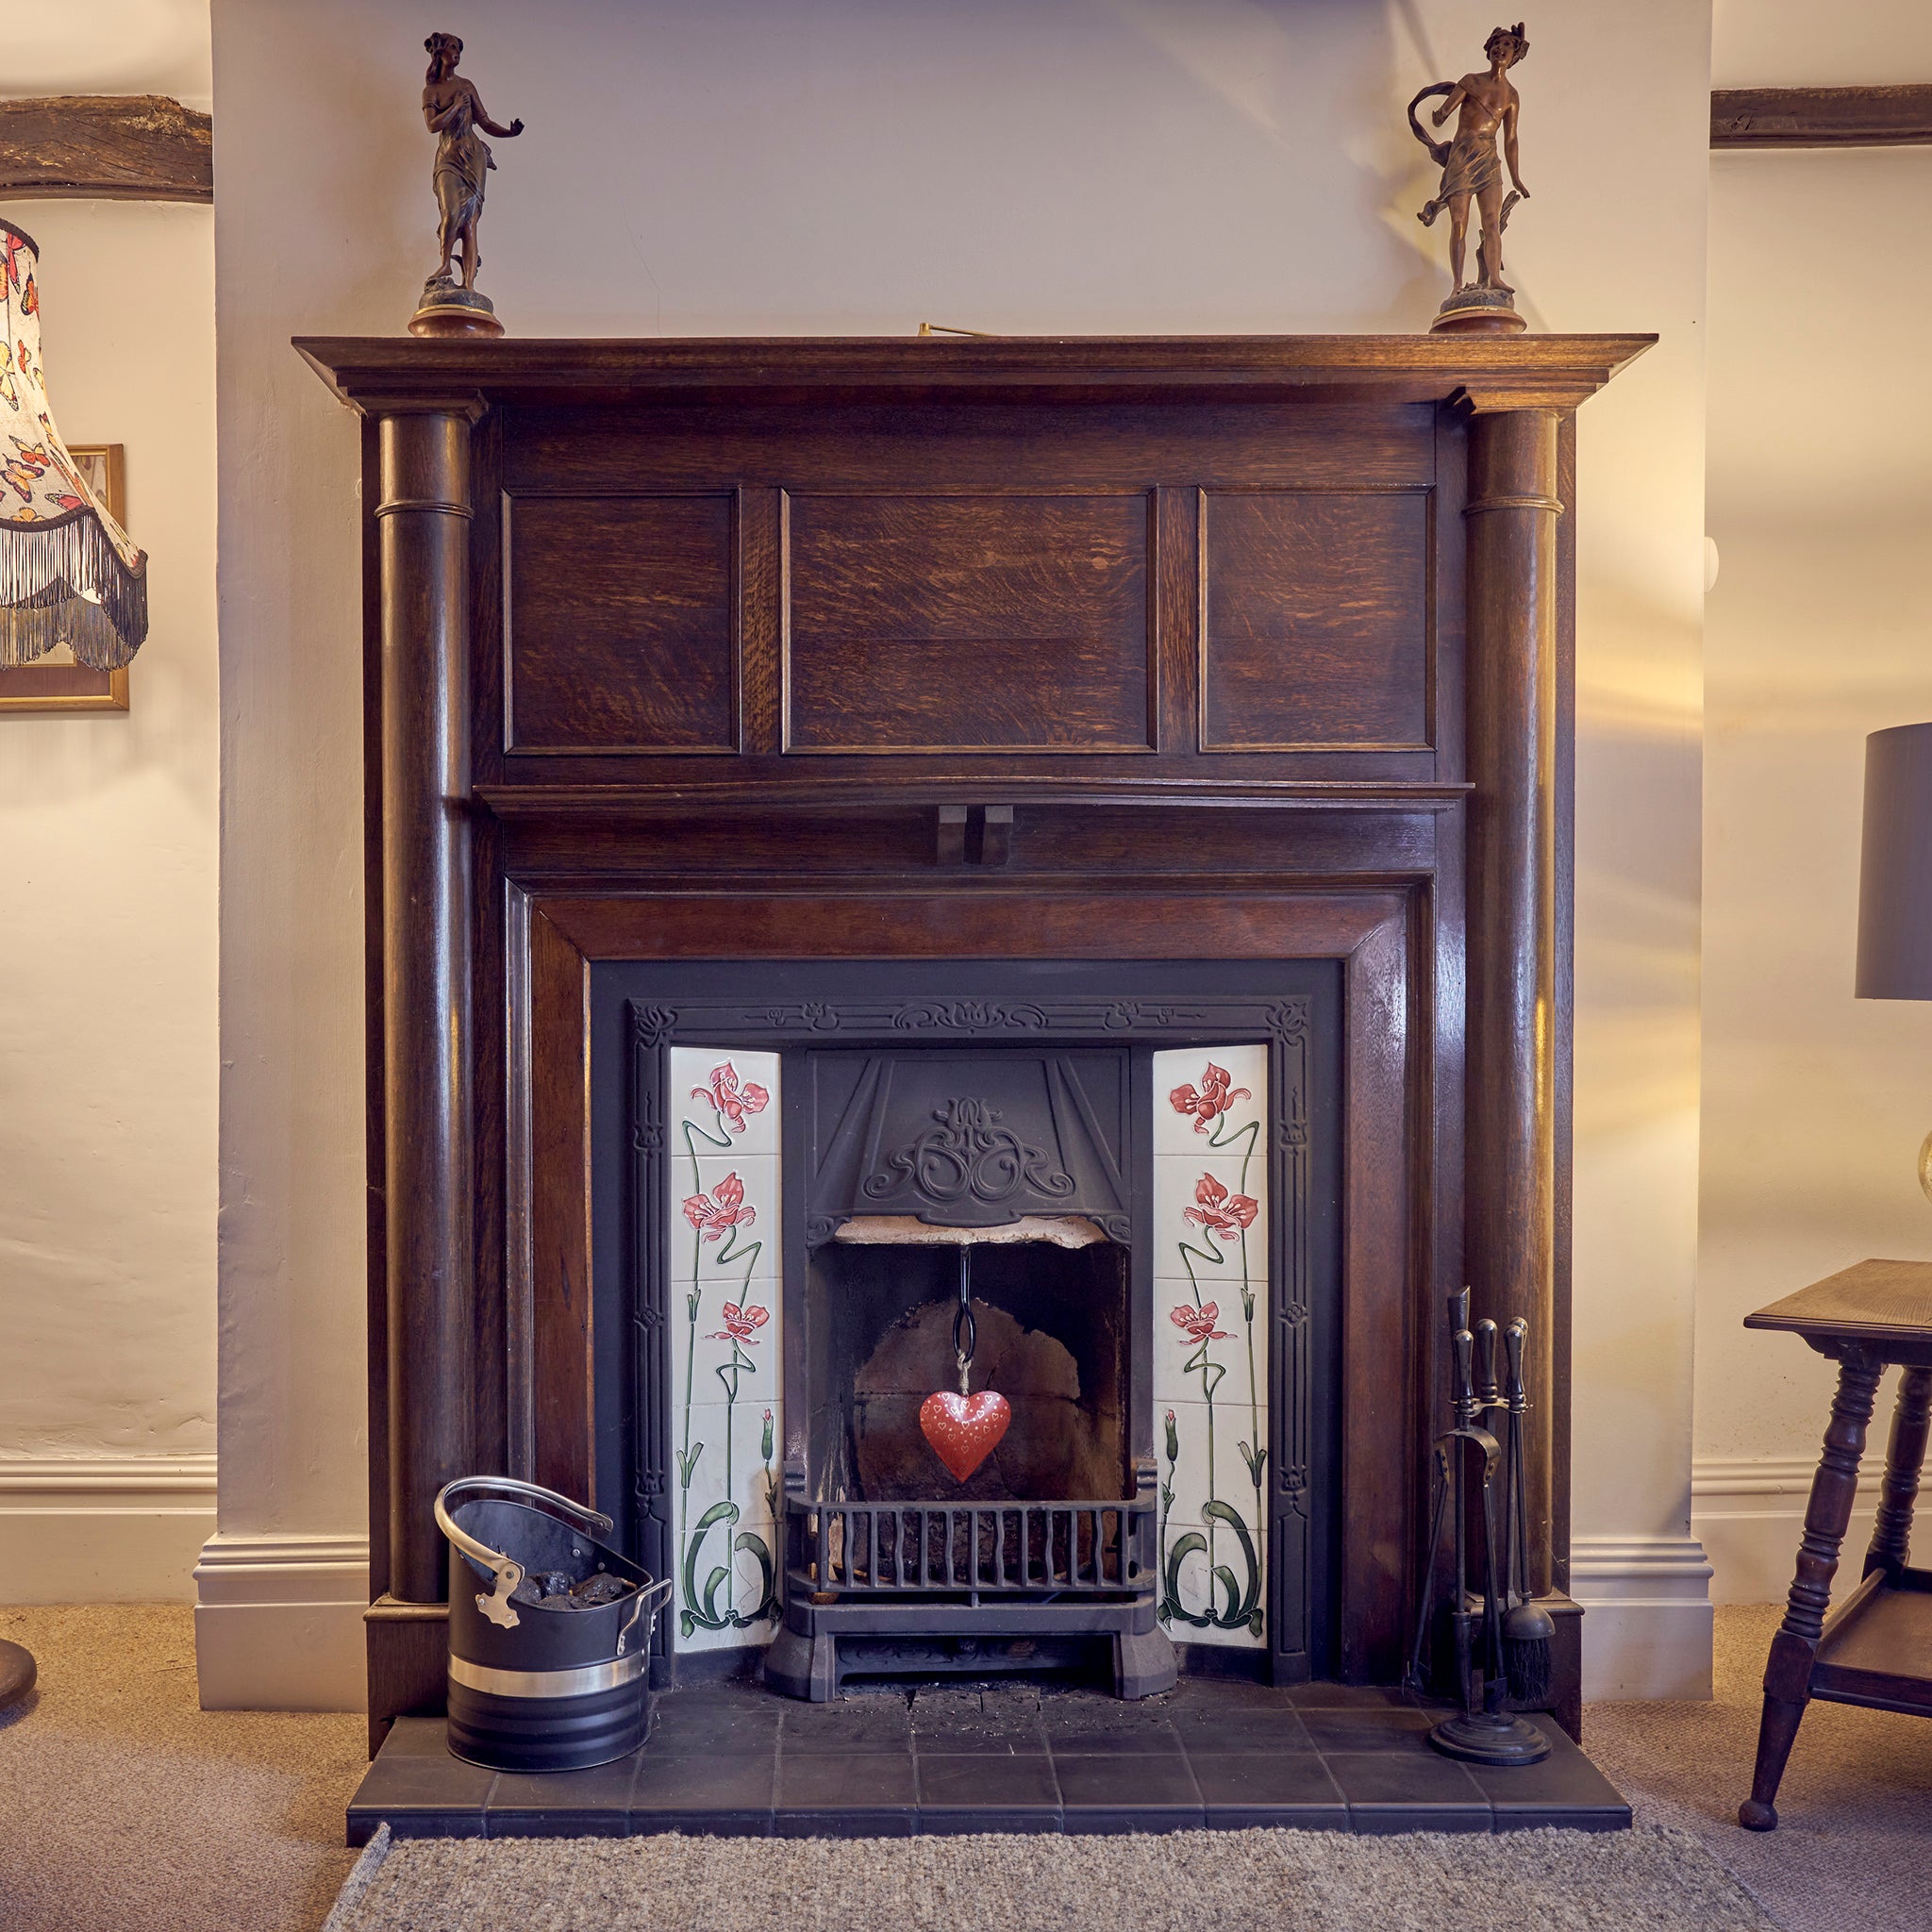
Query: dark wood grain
column 423, row 517
column 556, row 1204
column 1563, row 1056
column 1510, row 1136
column 375, row 1033
column 968, row 622
column 1787, row 1674
column 105, row 147
column 1875, row 1648
column 1383, row 1400
column 890, row 516
column 1526, row 371
column 1317, row 627
column 1821, row 116
column 1883, row 1304
column 622, row 623
column 408, row 1659
column 1898, row 1495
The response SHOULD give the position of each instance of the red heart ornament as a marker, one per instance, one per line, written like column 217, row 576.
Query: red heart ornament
column 964, row 1429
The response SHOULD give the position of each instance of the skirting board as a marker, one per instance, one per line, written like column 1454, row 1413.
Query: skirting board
column 1647, row 1616
column 1749, row 1513
column 278, row 1622
column 103, row 1529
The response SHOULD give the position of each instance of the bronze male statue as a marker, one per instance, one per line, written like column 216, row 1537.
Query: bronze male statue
column 454, row 113
column 1487, row 111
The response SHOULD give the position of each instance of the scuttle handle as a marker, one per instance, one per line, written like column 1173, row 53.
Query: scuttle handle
column 505, row 1571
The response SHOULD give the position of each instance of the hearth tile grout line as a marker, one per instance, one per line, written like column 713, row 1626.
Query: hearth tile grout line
column 1498, row 1816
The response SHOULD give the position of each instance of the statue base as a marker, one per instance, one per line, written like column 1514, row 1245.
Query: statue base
column 448, row 308
column 1478, row 311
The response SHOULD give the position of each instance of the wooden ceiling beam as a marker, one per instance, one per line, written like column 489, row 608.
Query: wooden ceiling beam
column 105, row 147
column 1821, row 117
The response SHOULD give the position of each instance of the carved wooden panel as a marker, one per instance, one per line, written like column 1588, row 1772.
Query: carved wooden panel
column 621, row 624
column 1001, row 622
column 1317, row 630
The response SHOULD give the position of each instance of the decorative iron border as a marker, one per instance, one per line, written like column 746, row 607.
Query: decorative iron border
column 653, row 1026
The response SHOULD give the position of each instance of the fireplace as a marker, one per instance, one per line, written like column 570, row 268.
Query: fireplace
column 826, row 706
column 1127, row 1169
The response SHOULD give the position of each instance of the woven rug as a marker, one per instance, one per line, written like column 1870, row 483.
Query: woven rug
column 1645, row 1880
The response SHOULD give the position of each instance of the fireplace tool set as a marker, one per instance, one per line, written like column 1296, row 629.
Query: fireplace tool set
column 1501, row 1639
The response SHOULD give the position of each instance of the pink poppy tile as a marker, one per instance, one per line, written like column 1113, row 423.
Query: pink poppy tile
column 1203, row 1095
column 729, row 1096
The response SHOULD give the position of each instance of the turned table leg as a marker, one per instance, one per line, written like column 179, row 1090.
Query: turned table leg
column 1788, row 1674
column 1892, row 1536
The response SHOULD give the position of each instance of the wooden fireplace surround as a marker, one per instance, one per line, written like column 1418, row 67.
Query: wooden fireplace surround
column 1089, row 648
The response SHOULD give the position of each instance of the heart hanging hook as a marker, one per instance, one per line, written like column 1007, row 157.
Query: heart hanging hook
column 965, row 1330
column 964, row 1429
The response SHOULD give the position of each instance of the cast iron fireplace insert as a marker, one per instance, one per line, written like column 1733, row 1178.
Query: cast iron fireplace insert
column 789, row 1159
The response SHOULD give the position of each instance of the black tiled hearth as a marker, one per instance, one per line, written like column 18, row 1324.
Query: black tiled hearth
column 733, row 1759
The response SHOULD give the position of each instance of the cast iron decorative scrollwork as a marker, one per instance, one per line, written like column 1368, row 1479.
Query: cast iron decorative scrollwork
column 815, row 1014
column 820, row 1228
column 652, row 1025
column 1121, row 1014
column 966, row 1153
column 1288, row 1019
column 969, row 1016
column 1116, row 1227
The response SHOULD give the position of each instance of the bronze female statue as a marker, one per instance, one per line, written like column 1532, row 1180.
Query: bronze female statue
column 454, row 113
column 1487, row 110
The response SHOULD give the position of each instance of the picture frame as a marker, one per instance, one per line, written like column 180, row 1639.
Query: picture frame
column 55, row 682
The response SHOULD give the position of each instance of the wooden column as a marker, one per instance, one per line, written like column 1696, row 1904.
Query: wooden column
column 1511, row 518
column 423, row 516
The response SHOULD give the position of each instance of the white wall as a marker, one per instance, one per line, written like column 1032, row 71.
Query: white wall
column 108, row 1039
column 111, row 47
column 860, row 166
column 1820, row 632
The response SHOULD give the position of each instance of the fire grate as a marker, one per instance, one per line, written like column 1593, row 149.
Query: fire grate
column 1034, row 1549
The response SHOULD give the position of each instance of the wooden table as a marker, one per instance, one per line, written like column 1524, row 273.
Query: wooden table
column 1876, row 1648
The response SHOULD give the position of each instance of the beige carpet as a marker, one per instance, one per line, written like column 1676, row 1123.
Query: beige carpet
column 123, row 1809
column 1853, row 1849
column 1232, row 1881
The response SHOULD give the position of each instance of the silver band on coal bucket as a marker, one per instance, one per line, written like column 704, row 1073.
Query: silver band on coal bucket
column 580, row 1682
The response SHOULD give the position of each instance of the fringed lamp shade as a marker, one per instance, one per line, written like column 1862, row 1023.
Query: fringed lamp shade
column 68, row 573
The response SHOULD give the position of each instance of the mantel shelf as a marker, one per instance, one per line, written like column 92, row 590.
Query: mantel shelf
column 1482, row 373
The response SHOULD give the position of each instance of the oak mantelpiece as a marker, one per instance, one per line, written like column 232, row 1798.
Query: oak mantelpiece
column 1495, row 373
column 676, row 643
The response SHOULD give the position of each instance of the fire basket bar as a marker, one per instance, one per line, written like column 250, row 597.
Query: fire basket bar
column 886, row 1549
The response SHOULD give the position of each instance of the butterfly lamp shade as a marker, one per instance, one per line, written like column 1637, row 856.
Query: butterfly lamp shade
column 69, row 575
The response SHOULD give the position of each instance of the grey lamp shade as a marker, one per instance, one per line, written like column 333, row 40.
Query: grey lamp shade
column 1895, row 880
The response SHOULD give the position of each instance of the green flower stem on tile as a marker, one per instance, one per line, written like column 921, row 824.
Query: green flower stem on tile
column 701, row 1607
column 1242, row 1596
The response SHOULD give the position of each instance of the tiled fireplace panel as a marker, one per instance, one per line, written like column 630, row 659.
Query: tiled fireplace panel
column 1210, row 1341
column 725, row 1362
column 1190, row 1109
